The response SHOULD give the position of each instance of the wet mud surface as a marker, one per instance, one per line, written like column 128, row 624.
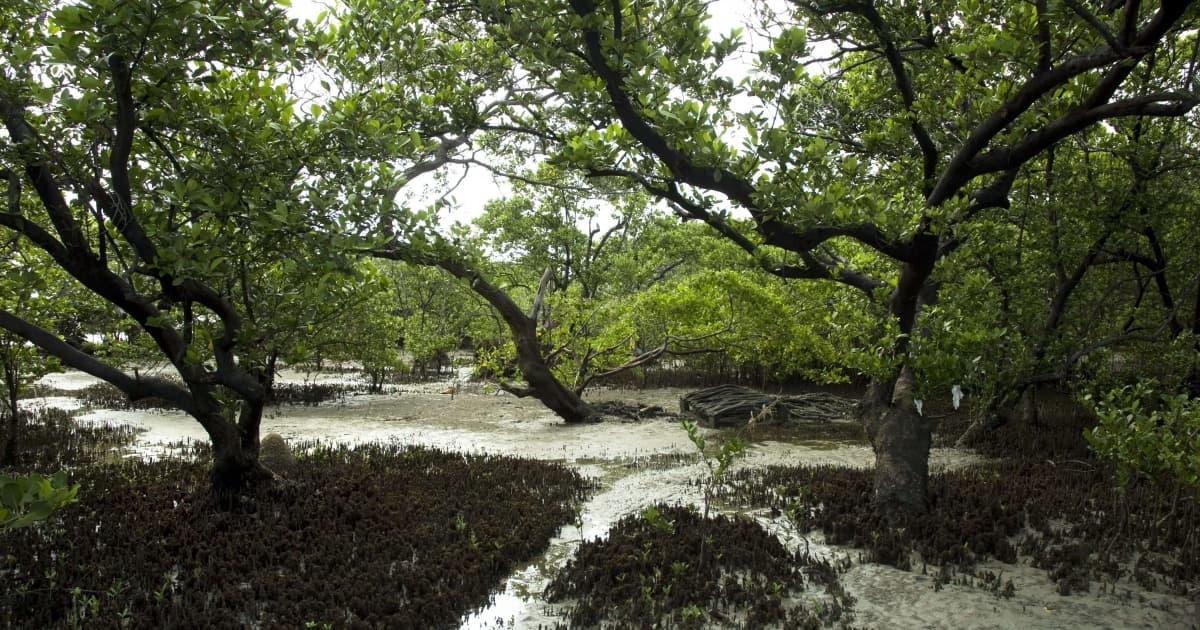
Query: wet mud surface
column 651, row 462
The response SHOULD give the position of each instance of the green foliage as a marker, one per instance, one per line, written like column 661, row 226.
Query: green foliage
column 656, row 519
column 434, row 313
column 349, row 314
column 1147, row 433
column 28, row 499
column 31, row 286
column 749, row 318
column 730, row 450
column 263, row 158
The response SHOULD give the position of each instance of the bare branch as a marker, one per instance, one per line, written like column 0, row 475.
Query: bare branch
column 1067, row 365
column 663, row 271
column 533, row 181
column 648, row 357
column 441, row 155
column 540, row 297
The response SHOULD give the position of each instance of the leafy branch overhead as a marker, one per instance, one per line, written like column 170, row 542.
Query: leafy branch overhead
column 900, row 144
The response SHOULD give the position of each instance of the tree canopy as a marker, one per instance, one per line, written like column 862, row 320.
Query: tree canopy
column 932, row 197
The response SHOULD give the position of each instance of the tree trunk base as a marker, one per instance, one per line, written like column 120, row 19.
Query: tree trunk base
column 236, row 477
column 901, row 440
column 9, row 445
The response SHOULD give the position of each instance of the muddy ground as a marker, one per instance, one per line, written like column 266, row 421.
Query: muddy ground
column 637, row 464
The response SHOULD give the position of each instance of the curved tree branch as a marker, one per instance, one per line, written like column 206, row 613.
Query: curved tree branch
column 1162, row 104
column 964, row 165
column 135, row 387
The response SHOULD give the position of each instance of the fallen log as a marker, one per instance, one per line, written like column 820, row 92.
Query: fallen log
column 735, row 406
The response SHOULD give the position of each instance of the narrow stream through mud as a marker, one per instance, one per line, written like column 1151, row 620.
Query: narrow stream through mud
column 638, row 464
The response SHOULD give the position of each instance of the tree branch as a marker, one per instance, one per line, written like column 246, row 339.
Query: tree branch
column 929, row 151
column 1161, row 104
column 135, row 388
column 1096, row 24
column 964, row 166
column 679, row 164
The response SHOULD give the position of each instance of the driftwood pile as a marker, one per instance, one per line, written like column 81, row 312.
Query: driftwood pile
column 629, row 411
column 735, row 406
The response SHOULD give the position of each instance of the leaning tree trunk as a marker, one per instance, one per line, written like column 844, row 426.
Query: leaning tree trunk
column 543, row 385
column 901, row 439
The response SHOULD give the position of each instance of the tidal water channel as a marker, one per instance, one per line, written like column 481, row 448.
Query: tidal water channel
column 642, row 463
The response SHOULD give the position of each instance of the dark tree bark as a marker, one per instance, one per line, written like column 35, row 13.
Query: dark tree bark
column 901, row 440
column 235, row 466
column 900, row 437
column 11, row 441
column 12, row 419
column 67, row 242
column 542, row 384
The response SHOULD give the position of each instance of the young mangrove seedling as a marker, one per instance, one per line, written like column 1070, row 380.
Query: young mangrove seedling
column 730, row 450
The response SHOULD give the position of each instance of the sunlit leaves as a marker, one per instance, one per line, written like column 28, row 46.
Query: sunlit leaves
column 745, row 318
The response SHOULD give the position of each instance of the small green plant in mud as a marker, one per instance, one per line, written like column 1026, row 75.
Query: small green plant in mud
column 717, row 466
column 656, row 519
column 577, row 510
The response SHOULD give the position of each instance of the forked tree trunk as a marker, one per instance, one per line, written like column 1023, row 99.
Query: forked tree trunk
column 235, row 469
column 235, row 466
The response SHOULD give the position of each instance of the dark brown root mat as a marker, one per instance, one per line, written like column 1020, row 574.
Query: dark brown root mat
column 107, row 396
column 669, row 567
column 376, row 536
column 1044, row 498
